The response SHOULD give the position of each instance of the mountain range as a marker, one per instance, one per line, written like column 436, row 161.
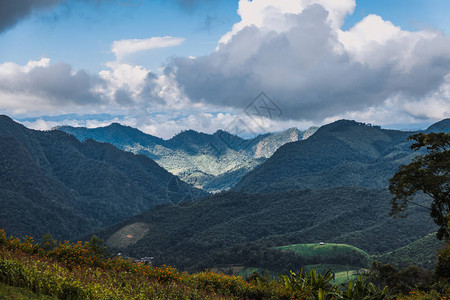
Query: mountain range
column 213, row 162
column 331, row 187
column 52, row 183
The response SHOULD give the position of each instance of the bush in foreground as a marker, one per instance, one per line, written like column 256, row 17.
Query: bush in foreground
column 81, row 271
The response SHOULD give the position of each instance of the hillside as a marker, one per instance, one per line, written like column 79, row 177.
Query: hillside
column 441, row 126
column 343, row 153
column 213, row 162
column 52, row 183
column 421, row 253
column 241, row 229
column 343, row 251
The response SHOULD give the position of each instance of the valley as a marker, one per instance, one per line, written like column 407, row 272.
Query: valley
column 316, row 204
column 213, row 162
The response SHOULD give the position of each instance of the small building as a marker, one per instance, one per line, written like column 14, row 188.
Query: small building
column 144, row 260
column 321, row 243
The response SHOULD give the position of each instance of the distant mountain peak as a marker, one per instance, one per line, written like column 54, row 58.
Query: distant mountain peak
column 115, row 124
column 441, row 126
column 6, row 118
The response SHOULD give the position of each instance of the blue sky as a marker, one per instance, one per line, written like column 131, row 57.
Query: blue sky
column 163, row 89
column 81, row 32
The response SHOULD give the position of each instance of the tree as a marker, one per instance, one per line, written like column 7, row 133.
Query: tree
column 48, row 243
column 428, row 173
column 442, row 269
column 96, row 245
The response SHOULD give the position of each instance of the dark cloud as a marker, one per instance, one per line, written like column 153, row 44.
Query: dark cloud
column 12, row 11
column 305, row 72
column 123, row 98
column 150, row 94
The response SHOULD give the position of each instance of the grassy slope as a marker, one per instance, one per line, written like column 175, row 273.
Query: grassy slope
column 16, row 293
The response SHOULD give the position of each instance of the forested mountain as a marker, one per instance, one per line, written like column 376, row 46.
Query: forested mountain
column 343, row 153
column 331, row 187
column 213, row 162
column 242, row 229
column 52, row 183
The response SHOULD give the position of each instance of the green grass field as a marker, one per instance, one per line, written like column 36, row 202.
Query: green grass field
column 311, row 250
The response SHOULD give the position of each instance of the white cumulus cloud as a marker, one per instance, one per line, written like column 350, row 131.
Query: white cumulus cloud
column 298, row 53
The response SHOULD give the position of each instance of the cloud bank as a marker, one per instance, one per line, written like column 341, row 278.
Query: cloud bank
column 42, row 86
column 296, row 52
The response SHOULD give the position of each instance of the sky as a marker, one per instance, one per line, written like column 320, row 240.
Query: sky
column 247, row 67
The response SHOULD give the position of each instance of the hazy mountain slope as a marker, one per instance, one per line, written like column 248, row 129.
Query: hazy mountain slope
column 52, row 183
column 441, row 126
column 211, row 161
column 207, row 232
column 344, row 153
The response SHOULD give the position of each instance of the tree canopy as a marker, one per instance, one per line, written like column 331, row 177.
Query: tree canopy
column 428, row 173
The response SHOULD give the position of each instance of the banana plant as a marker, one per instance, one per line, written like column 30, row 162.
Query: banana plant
column 312, row 281
column 361, row 290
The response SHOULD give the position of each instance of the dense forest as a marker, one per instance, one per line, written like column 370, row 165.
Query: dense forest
column 52, row 183
column 240, row 228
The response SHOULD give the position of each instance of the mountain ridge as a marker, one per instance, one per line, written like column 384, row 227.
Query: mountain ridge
column 214, row 162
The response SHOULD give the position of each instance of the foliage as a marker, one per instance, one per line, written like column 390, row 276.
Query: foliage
column 423, row 295
column 16, row 293
column 443, row 263
column 400, row 280
column 364, row 290
column 429, row 174
column 75, row 271
column 312, row 284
